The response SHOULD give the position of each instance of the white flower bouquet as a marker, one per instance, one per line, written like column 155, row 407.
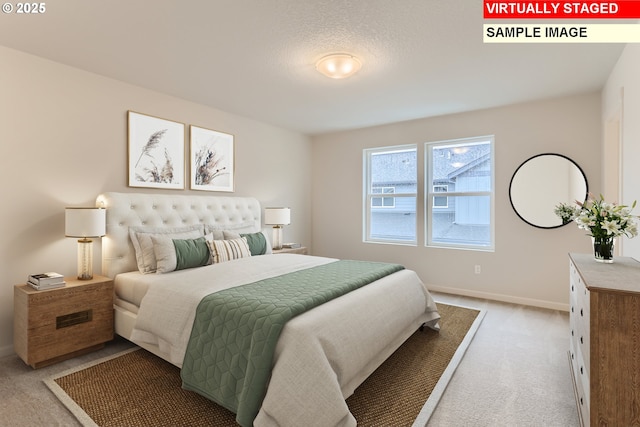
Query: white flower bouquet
column 604, row 221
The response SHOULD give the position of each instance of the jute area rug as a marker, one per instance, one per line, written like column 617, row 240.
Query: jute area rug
column 137, row 388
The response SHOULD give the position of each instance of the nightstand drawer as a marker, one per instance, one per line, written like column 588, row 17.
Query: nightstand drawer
column 57, row 324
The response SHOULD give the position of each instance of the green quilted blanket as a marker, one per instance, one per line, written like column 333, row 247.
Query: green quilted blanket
column 234, row 335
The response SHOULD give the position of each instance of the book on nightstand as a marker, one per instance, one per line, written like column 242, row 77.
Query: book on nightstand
column 291, row 245
column 46, row 281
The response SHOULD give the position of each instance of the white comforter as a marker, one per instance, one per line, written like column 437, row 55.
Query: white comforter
column 321, row 356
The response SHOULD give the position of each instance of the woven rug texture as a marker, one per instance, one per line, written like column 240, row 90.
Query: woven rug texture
column 140, row 389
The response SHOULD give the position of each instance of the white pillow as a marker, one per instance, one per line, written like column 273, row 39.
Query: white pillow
column 243, row 227
column 223, row 235
column 165, row 253
column 268, row 233
column 226, row 250
column 142, row 243
column 269, row 244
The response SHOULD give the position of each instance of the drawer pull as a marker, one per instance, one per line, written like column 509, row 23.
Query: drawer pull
column 581, row 370
column 581, row 401
column 74, row 319
column 581, row 340
column 581, row 313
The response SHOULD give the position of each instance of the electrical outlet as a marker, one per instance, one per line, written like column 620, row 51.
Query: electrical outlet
column 477, row 269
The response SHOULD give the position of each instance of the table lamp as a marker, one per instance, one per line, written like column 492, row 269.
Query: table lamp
column 277, row 217
column 85, row 223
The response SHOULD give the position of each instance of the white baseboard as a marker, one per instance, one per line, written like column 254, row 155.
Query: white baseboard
column 500, row 297
column 6, row 350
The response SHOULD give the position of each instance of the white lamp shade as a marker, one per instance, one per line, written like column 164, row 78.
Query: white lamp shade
column 84, row 222
column 277, row 216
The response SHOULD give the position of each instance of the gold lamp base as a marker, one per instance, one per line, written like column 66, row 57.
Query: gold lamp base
column 85, row 259
column 277, row 237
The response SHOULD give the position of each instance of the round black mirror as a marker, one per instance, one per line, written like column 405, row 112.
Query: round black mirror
column 542, row 182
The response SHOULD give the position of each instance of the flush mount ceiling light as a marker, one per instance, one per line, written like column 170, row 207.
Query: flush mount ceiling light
column 338, row 65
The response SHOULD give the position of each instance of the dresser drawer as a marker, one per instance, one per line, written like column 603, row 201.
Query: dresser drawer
column 579, row 299
column 583, row 376
column 582, row 401
column 583, row 321
column 573, row 358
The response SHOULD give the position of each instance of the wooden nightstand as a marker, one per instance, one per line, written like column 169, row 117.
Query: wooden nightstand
column 301, row 250
column 57, row 324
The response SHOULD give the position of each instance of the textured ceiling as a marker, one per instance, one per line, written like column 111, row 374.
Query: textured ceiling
column 256, row 58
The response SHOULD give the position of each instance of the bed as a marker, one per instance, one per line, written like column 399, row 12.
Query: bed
column 321, row 355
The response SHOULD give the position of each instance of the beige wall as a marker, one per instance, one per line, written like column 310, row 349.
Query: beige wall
column 63, row 141
column 529, row 265
column 621, row 99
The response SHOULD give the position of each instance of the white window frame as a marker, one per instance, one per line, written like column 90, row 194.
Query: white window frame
column 430, row 193
column 368, row 195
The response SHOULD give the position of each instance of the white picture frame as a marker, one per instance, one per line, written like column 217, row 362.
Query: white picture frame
column 211, row 160
column 155, row 152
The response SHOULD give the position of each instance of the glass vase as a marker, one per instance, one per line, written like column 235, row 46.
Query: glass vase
column 603, row 248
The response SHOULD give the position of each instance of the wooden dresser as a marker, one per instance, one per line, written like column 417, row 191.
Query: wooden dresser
column 605, row 340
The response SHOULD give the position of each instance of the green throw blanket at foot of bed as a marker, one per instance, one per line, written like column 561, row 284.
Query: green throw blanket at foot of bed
column 235, row 332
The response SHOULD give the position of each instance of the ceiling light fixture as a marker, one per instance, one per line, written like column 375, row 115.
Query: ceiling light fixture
column 338, row 65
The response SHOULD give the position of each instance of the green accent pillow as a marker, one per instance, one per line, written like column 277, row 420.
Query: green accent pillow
column 257, row 243
column 191, row 253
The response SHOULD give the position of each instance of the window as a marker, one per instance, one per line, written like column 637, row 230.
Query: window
column 390, row 193
column 459, row 199
column 458, row 194
column 383, row 202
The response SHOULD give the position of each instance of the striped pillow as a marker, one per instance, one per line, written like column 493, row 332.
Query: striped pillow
column 226, row 250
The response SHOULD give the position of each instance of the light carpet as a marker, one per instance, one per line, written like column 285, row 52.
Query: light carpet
column 136, row 388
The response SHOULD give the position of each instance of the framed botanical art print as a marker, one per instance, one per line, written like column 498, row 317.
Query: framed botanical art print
column 156, row 152
column 212, row 166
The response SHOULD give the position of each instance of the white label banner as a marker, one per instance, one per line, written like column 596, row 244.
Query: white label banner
column 561, row 33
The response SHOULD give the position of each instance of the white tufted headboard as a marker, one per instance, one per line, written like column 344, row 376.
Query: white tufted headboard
column 135, row 209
